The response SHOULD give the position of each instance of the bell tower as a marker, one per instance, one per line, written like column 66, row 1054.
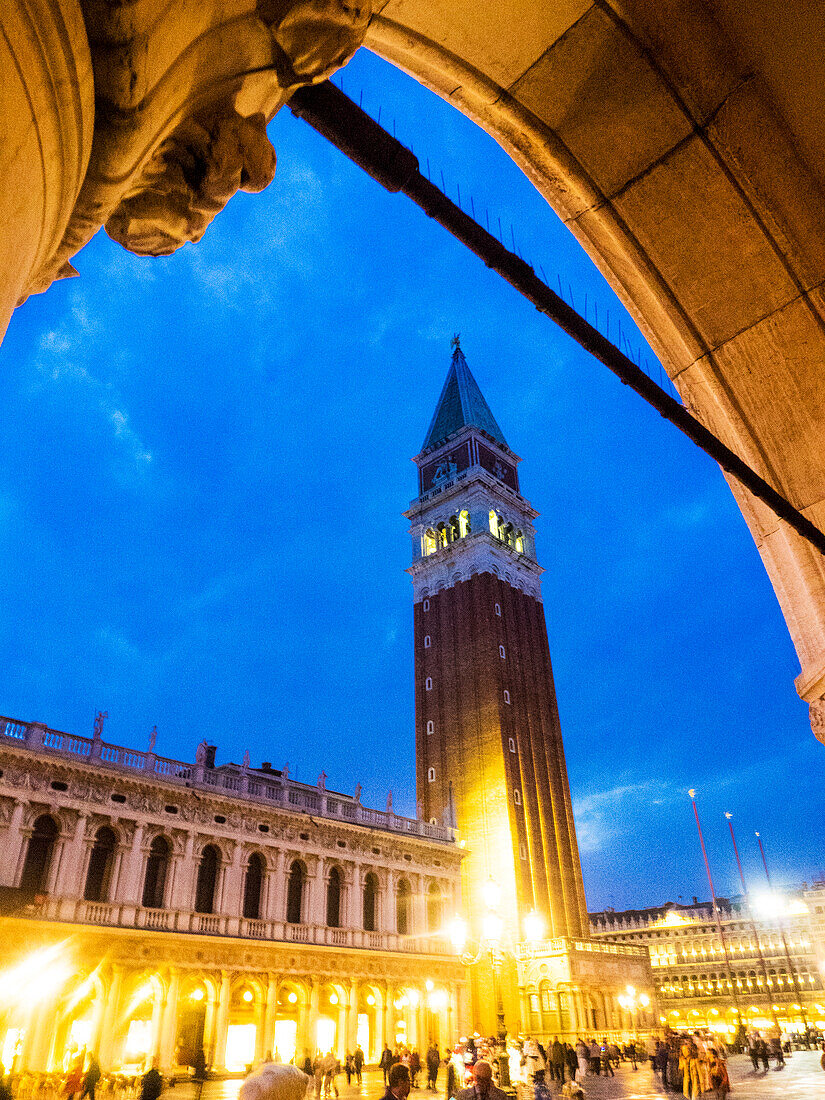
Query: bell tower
column 489, row 749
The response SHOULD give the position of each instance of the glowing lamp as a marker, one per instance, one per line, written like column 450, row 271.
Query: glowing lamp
column 197, row 994
column 293, row 997
column 492, row 927
column 458, row 934
column 412, row 997
column 491, row 894
column 534, row 926
column 644, row 1000
column 428, row 985
column 370, row 1000
column 247, row 995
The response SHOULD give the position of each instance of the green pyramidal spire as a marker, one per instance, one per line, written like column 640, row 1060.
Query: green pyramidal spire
column 461, row 405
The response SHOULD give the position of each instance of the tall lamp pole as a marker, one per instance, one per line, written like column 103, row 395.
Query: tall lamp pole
column 791, row 966
column 762, row 963
column 731, row 979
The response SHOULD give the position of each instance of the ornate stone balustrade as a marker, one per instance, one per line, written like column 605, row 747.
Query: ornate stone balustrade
column 562, row 945
column 239, row 782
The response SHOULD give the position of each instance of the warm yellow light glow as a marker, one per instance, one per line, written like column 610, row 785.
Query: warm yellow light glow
column 36, row 978
column 197, row 994
column 491, row 894
column 428, row 985
column 247, row 995
column 412, row 997
column 644, row 1000
column 437, row 999
column 534, row 926
column 333, row 998
column 370, row 999
column 293, row 997
column 672, row 918
column 492, row 926
column 458, row 934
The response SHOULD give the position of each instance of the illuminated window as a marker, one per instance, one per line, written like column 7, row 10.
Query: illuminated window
column 501, row 652
column 427, row 641
column 498, row 610
column 512, row 744
column 430, row 727
column 507, row 534
column 441, row 533
column 428, row 684
column 454, row 530
column 517, row 796
column 429, row 543
column 493, row 523
column 431, row 775
column 464, row 523
column 519, row 542
column 426, row 605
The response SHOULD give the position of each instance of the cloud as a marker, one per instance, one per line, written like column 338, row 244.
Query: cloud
column 601, row 816
column 62, row 357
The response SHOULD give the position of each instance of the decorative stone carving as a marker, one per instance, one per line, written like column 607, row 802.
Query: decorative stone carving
column 183, row 95
column 816, row 712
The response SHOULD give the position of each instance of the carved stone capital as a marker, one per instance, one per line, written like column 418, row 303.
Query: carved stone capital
column 183, row 95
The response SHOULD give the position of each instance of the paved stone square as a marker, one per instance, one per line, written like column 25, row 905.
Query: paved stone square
column 802, row 1079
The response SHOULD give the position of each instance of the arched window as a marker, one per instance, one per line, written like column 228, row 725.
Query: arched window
column 498, row 610
column 433, row 907
column 207, row 880
column 334, row 899
column 506, row 696
column 431, row 775
column 507, row 534
column 427, row 641
column 428, row 684
column 154, row 884
column 430, row 543
column 252, row 886
column 295, row 892
column 430, row 727
column 441, row 532
column 454, row 529
column 493, row 523
column 501, row 652
column 39, row 854
column 370, row 896
column 519, row 542
column 464, row 523
column 403, row 898
column 99, row 874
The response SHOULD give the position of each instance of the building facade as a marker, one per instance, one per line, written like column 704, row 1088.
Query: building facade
column 694, row 984
column 153, row 908
column 489, row 750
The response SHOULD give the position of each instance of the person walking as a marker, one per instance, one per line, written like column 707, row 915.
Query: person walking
column 571, row 1061
column 557, row 1060
column 349, row 1068
column 358, row 1063
column 385, row 1062
column 718, row 1074
column 482, row 1087
column 415, row 1068
column 151, row 1084
column 91, row 1078
column 433, row 1066
column 583, row 1057
column 689, row 1065
column 199, row 1073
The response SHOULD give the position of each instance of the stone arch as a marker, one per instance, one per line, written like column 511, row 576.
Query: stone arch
column 334, row 896
column 156, row 872
column 253, row 883
column 663, row 139
column 37, row 865
column 100, row 865
column 295, row 891
column 370, row 895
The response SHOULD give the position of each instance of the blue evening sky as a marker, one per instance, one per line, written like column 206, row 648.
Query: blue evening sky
column 204, row 464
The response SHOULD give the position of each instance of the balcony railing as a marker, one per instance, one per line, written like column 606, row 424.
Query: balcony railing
column 230, row 780
column 218, row 924
column 561, row 945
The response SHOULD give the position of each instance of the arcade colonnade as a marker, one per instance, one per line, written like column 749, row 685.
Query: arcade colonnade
column 131, row 1014
column 682, row 141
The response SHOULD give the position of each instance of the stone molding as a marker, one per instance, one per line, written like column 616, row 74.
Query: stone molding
column 479, row 552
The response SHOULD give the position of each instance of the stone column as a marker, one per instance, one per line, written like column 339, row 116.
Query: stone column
column 158, row 1006
column 222, row 1020
column 419, row 906
column 110, row 1018
column 169, row 1027
column 260, row 1024
column 70, row 880
column 352, row 1027
column 277, row 893
column 182, row 891
column 271, row 1014
column 130, row 889
column 314, row 1004
column 316, row 899
column 356, row 916
column 388, row 1038
column 388, row 922
column 12, row 842
column 341, row 1037
column 230, row 902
